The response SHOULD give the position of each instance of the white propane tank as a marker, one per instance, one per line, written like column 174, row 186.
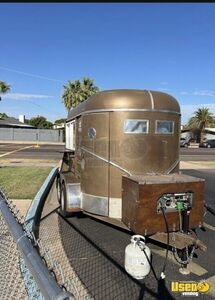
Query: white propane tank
column 136, row 263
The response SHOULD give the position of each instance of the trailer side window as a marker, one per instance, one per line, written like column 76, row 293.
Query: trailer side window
column 164, row 127
column 136, row 126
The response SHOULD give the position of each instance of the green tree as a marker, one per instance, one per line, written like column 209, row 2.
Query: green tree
column 202, row 118
column 3, row 116
column 40, row 122
column 60, row 121
column 4, row 88
column 78, row 91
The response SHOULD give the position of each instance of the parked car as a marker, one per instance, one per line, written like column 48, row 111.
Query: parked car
column 184, row 142
column 208, row 144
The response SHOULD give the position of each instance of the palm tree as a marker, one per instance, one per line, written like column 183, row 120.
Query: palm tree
column 76, row 92
column 72, row 94
column 203, row 118
column 4, row 88
column 88, row 87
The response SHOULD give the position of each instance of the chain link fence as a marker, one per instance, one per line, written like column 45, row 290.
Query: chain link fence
column 12, row 285
column 50, row 235
column 21, row 266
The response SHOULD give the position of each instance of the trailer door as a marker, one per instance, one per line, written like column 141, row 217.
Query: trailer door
column 70, row 135
column 95, row 163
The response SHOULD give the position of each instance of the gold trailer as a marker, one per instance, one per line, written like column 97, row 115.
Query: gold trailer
column 121, row 165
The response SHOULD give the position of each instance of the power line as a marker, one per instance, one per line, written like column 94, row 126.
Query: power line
column 30, row 74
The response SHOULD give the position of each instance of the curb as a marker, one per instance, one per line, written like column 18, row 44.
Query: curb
column 32, row 142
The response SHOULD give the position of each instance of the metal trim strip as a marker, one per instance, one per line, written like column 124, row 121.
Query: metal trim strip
column 123, row 110
column 152, row 100
column 173, row 166
column 107, row 161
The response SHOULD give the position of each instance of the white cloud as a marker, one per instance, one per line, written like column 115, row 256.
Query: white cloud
column 204, row 93
column 187, row 110
column 30, row 74
column 164, row 82
column 164, row 89
column 22, row 96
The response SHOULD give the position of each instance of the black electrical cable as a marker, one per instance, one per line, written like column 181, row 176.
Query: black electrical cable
column 167, row 248
column 153, row 270
column 163, row 293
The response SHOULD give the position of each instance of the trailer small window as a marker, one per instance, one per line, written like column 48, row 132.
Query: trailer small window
column 164, row 127
column 91, row 133
column 136, row 126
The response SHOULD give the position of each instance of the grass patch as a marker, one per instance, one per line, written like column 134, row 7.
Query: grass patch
column 22, row 182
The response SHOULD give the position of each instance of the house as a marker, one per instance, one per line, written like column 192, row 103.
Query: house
column 59, row 125
column 208, row 134
column 10, row 122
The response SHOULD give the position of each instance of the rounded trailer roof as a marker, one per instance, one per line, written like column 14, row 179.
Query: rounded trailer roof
column 124, row 100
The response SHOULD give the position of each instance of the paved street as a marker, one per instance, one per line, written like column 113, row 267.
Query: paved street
column 197, row 154
column 30, row 153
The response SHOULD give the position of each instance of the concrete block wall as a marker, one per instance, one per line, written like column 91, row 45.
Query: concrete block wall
column 31, row 135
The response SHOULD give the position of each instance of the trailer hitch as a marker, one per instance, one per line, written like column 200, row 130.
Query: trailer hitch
column 179, row 240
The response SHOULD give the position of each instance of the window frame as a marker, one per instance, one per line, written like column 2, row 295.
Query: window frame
column 165, row 133
column 137, row 120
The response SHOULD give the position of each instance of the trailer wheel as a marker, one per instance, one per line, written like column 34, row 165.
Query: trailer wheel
column 63, row 200
column 58, row 186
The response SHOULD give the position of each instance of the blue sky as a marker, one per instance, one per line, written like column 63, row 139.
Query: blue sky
column 159, row 46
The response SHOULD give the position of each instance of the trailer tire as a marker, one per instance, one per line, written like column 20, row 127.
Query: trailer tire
column 58, row 186
column 63, row 199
